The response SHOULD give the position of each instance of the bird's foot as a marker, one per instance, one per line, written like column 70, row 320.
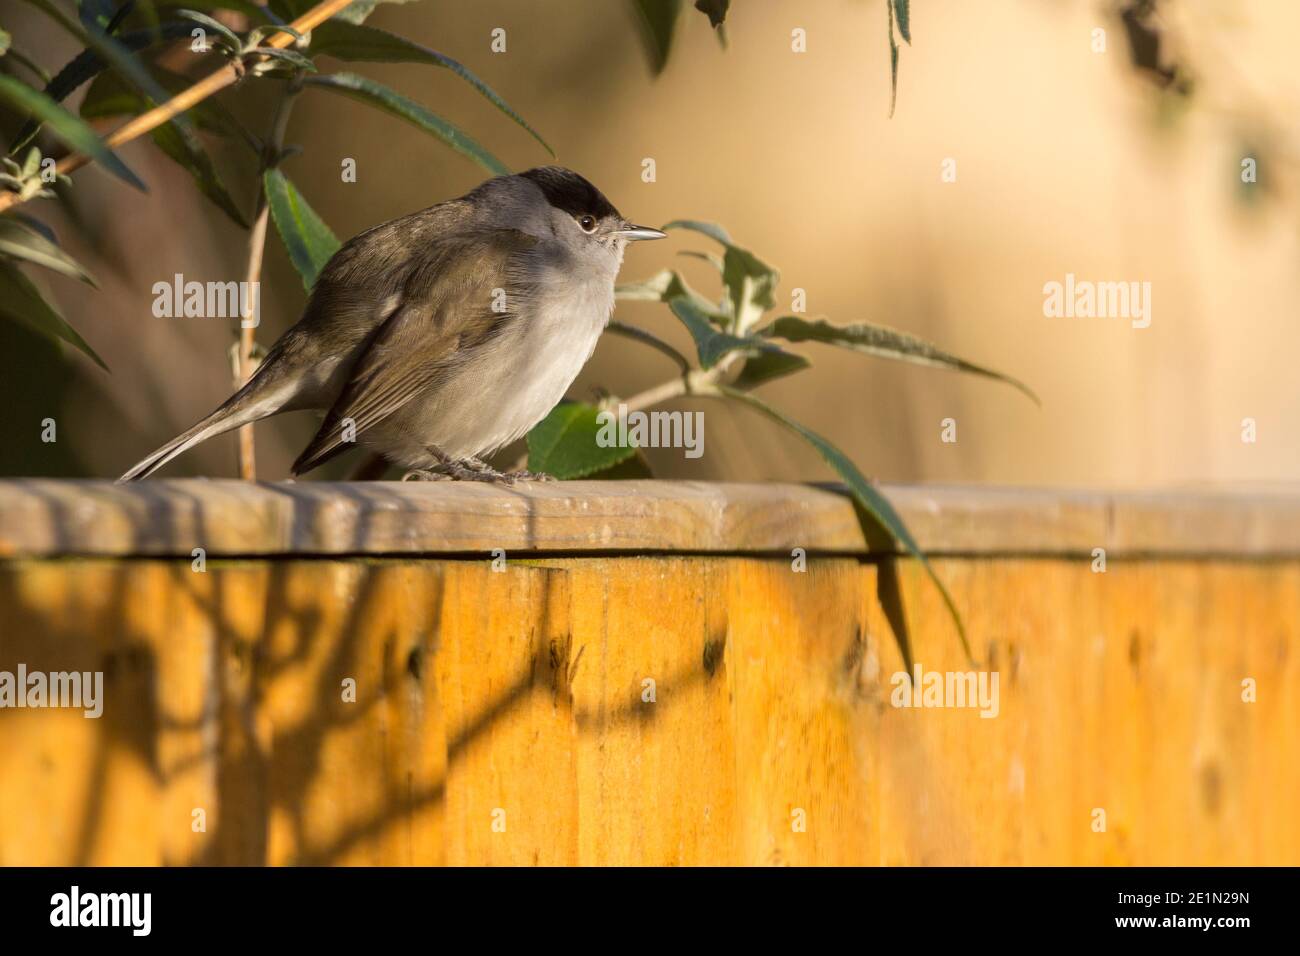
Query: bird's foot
column 467, row 469
column 424, row 474
column 521, row 475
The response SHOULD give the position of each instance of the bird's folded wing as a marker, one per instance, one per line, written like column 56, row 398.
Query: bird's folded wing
column 451, row 304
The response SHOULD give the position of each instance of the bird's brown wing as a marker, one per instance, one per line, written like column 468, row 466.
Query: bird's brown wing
column 446, row 312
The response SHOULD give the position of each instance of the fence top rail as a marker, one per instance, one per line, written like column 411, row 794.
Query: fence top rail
column 46, row 518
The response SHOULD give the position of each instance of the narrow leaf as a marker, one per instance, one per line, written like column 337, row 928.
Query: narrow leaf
column 309, row 241
column 190, row 155
column 378, row 95
column 750, row 282
column 658, row 22
column 893, row 60
column 87, row 65
column 20, row 300
column 353, row 42
column 903, row 13
column 864, row 492
column 666, row 286
column 767, row 366
column 883, row 342
column 66, row 127
column 22, row 242
column 115, row 54
column 98, row 12
column 710, row 229
column 110, row 96
column 567, row 443
column 715, row 10
column 234, row 43
column 711, row 343
column 711, row 258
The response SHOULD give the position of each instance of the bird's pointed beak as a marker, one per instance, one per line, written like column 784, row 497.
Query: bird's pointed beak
column 633, row 233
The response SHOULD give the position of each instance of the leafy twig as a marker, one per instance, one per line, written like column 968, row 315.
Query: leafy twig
column 213, row 83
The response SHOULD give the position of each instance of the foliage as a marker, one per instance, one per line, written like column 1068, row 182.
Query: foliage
column 738, row 349
column 123, row 42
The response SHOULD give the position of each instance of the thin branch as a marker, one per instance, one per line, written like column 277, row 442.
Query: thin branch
column 200, row 91
column 244, row 367
column 271, row 155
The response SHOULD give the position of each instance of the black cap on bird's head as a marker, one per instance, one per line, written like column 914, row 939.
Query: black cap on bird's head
column 570, row 193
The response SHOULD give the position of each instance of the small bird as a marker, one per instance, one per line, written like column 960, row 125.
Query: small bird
column 439, row 337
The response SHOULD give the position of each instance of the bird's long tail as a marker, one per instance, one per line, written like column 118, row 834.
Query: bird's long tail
column 242, row 408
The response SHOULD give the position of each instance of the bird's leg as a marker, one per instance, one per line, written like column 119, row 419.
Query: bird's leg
column 523, row 475
column 508, row 477
column 425, row 474
column 438, row 471
column 446, row 468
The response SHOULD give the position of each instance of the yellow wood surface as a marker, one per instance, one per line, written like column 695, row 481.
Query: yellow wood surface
column 516, row 697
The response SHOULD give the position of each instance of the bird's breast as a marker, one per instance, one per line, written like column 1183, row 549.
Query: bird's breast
column 519, row 375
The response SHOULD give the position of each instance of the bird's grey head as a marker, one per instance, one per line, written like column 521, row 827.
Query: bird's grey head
column 557, row 203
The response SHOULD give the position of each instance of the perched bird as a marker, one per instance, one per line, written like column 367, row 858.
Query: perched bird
column 439, row 337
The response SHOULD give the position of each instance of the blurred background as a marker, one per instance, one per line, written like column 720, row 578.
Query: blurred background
column 1122, row 165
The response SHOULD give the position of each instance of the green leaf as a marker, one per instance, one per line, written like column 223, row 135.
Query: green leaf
column 20, row 300
column 88, row 64
column 5, row 42
column 635, row 468
column 98, row 12
column 378, row 95
column 709, row 257
column 658, row 22
column 710, row 229
column 109, row 96
column 893, row 60
column 20, row 241
column 712, row 344
column 750, row 282
column 767, row 366
column 715, row 10
column 258, row 34
column 647, row 338
column 115, row 54
column 566, row 443
column 189, row 154
column 666, row 286
column 66, row 127
column 292, row 57
column 903, row 13
column 883, row 342
column 309, row 241
column 17, row 56
column 233, row 42
column 868, row 498
column 353, row 42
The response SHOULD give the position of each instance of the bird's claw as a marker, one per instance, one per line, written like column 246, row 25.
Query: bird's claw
column 424, row 474
column 471, row 469
column 514, row 476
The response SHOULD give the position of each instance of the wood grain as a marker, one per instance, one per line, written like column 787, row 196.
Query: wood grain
column 230, row 518
column 503, row 716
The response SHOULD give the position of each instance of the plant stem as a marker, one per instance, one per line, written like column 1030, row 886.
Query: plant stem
column 253, row 275
column 200, row 91
column 689, row 384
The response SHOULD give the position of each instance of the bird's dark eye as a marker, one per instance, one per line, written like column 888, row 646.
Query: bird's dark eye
column 588, row 223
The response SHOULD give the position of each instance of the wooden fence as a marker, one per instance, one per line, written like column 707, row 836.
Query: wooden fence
column 645, row 673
